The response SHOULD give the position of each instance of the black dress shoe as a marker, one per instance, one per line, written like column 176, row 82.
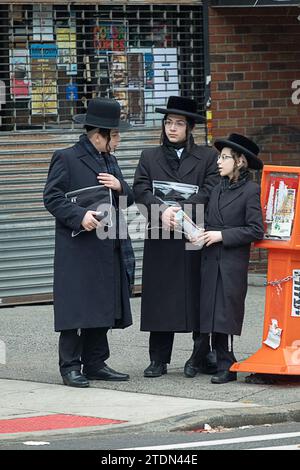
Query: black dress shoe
column 210, row 366
column 190, row 370
column 209, row 369
column 223, row 377
column 155, row 369
column 75, row 379
column 106, row 373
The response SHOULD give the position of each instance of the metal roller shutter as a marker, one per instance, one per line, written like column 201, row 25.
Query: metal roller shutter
column 162, row 54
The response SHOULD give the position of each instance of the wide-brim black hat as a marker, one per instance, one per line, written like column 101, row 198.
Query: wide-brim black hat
column 242, row 144
column 103, row 113
column 183, row 107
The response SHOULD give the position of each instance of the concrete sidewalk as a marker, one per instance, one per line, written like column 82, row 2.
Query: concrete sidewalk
column 23, row 401
column 31, row 384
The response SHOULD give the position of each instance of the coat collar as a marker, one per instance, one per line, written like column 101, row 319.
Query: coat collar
column 227, row 197
column 187, row 165
column 86, row 158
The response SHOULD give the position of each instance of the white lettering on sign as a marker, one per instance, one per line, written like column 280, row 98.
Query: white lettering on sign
column 296, row 294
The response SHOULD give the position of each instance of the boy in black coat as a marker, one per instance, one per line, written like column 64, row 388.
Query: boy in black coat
column 233, row 220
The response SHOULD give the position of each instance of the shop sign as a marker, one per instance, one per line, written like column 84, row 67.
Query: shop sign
column 43, row 51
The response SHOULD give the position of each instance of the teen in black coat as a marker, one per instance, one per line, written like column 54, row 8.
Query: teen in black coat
column 92, row 276
column 171, row 272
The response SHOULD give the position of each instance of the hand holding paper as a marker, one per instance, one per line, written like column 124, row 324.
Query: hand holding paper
column 168, row 218
column 212, row 237
column 192, row 232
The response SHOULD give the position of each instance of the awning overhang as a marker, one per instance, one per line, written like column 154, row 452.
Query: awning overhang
column 253, row 3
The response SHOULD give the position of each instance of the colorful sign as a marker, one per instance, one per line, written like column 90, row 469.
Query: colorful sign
column 43, row 51
column 109, row 37
column 19, row 74
column 72, row 92
column 67, row 54
column 44, row 89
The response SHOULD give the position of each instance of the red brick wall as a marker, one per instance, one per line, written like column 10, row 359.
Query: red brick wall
column 255, row 57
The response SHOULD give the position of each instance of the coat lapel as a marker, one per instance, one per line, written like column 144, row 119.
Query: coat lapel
column 162, row 161
column 229, row 196
column 215, row 216
column 188, row 164
column 88, row 159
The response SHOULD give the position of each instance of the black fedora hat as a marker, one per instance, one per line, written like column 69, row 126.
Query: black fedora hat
column 242, row 144
column 182, row 106
column 102, row 113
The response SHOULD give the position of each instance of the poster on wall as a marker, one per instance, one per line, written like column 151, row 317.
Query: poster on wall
column 135, row 70
column 118, row 70
column 136, row 106
column 42, row 22
column 67, row 53
column 43, row 75
column 122, row 97
column 109, row 36
column 296, row 294
column 19, row 74
column 149, row 71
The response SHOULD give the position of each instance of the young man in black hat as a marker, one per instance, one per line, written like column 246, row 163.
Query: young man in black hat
column 171, row 273
column 92, row 276
column 233, row 220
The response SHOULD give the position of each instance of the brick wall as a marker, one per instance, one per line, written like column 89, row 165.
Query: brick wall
column 255, row 58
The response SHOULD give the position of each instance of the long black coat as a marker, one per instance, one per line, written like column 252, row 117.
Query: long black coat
column 171, row 274
column 224, row 274
column 84, row 282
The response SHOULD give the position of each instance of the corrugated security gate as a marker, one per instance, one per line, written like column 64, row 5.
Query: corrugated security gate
column 54, row 58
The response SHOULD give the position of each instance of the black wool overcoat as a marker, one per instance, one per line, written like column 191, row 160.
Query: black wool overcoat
column 224, row 274
column 84, row 281
column 171, row 273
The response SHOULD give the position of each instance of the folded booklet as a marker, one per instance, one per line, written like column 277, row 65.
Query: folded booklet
column 189, row 228
column 171, row 192
column 92, row 198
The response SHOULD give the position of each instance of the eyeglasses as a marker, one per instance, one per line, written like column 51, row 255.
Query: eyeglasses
column 224, row 157
column 176, row 124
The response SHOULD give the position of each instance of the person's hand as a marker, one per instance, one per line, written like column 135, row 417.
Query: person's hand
column 212, row 237
column 89, row 222
column 197, row 240
column 168, row 217
column 110, row 181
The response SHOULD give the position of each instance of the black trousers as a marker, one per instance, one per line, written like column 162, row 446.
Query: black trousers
column 89, row 349
column 160, row 346
column 221, row 342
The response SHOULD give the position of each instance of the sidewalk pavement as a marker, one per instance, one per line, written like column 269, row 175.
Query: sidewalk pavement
column 34, row 402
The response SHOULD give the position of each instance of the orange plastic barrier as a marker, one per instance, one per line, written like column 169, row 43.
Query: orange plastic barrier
column 280, row 351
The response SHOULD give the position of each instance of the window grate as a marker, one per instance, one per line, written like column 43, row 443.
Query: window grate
column 54, row 58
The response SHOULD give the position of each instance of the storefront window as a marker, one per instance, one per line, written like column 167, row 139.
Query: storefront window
column 57, row 57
